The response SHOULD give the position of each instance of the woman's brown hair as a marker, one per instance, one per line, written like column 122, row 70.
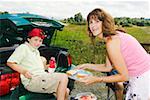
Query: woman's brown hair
column 108, row 25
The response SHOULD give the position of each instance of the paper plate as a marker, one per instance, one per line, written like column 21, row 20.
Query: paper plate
column 79, row 72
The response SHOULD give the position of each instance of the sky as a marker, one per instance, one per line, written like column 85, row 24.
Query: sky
column 60, row 9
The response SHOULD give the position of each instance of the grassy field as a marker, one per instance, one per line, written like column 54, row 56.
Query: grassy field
column 142, row 34
column 75, row 38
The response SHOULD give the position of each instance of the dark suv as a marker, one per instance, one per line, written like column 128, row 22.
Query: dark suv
column 13, row 32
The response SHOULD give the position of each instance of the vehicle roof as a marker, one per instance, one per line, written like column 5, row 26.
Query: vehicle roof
column 19, row 19
column 24, row 15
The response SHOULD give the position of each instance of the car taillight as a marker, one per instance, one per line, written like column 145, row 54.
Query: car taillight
column 69, row 60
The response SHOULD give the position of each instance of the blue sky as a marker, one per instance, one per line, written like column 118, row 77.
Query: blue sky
column 60, row 9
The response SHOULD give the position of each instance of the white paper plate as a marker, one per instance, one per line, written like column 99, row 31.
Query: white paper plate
column 74, row 76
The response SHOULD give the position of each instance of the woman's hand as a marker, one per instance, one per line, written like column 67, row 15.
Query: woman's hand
column 27, row 74
column 91, row 79
column 82, row 66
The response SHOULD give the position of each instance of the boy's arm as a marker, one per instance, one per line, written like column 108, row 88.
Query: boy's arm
column 44, row 63
column 20, row 69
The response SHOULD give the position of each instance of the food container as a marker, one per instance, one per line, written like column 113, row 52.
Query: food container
column 85, row 96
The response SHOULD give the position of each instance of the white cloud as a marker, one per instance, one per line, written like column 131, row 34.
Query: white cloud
column 68, row 8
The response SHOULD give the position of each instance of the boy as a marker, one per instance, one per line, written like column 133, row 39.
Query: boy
column 27, row 61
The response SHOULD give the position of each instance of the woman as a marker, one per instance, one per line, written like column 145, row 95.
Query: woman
column 27, row 61
column 124, row 54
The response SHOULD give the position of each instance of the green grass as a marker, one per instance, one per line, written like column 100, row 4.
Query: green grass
column 75, row 38
column 142, row 34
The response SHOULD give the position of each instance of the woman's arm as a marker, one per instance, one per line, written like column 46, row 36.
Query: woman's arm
column 114, row 53
column 113, row 49
column 95, row 67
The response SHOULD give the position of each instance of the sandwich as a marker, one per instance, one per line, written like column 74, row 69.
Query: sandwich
column 71, row 72
column 81, row 75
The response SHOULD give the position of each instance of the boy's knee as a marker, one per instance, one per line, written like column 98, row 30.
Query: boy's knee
column 64, row 76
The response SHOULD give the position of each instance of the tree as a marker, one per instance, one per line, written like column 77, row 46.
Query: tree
column 78, row 18
column 5, row 12
column 70, row 20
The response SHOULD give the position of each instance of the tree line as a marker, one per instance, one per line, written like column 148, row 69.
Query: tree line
column 77, row 19
column 120, row 21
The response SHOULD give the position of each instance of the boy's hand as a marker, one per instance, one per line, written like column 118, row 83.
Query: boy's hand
column 27, row 74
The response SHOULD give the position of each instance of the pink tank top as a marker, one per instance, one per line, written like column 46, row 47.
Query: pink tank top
column 136, row 58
